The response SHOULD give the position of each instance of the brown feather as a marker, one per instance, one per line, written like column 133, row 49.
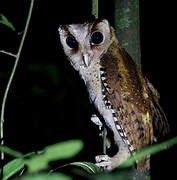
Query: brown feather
column 133, row 98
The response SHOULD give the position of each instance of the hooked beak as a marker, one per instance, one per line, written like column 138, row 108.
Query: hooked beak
column 87, row 59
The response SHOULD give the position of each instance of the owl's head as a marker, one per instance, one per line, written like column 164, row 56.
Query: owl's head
column 84, row 43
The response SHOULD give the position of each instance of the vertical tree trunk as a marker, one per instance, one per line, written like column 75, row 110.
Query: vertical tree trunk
column 127, row 26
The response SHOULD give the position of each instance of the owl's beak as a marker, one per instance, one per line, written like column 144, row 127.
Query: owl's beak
column 86, row 59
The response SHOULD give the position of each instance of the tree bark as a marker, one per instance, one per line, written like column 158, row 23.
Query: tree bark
column 127, row 27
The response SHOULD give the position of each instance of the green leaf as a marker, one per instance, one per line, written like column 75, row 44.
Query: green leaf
column 63, row 150
column 53, row 176
column 32, row 154
column 6, row 22
column 12, row 168
column 87, row 166
column 153, row 149
column 37, row 163
column 59, row 151
column 10, row 151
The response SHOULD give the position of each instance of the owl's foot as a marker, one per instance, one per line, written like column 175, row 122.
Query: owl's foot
column 110, row 163
column 96, row 121
column 104, row 161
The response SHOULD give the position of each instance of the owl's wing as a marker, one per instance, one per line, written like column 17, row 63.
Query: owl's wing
column 160, row 122
column 127, row 93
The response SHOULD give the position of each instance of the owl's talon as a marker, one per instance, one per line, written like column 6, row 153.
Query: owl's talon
column 100, row 158
column 104, row 161
column 106, row 164
column 110, row 163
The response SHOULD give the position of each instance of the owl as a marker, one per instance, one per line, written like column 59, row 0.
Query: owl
column 125, row 99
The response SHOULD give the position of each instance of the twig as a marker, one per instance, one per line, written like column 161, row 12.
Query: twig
column 8, row 53
column 12, row 74
column 104, row 140
column 95, row 8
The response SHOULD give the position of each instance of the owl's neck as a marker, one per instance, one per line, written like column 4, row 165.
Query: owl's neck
column 90, row 73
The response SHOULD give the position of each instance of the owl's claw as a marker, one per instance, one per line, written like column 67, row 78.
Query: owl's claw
column 110, row 163
column 100, row 158
column 104, row 161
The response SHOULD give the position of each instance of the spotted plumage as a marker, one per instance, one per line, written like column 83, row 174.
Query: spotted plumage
column 126, row 100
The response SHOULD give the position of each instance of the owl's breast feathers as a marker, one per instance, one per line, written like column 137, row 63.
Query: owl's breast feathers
column 133, row 98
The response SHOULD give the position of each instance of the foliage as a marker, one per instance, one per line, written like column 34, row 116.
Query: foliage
column 38, row 164
column 6, row 22
column 63, row 150
column 12, row 168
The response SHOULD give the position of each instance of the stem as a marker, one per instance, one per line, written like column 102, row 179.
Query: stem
column 12, row 75
column 104, row 140
column 8, row 53
column 95, row 8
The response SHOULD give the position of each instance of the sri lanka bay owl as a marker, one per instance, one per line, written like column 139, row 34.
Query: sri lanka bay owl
column 123, row 96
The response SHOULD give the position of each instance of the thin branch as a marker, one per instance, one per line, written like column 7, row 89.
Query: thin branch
column 104, row 140
column 12, row 74
column 8, row 53
column 95, row 8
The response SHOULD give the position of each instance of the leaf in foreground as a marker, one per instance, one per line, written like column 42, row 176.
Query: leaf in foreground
column 153, row 149
column 87, row 166
column 12, row 168
column 6, row 22
column 54, row 176
column 10, row 151
column 63, row 150
column 59, row 151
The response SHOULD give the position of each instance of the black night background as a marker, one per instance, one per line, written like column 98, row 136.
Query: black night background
column 48, row 102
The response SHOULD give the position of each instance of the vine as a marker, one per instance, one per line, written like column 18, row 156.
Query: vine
column 17, row 57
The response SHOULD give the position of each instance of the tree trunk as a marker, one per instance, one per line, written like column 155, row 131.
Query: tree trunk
column 127, row 26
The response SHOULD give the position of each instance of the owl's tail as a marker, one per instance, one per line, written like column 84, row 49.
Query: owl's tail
column 143, row 164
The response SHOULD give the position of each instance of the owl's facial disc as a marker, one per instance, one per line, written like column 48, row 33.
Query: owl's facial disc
column 85, row 43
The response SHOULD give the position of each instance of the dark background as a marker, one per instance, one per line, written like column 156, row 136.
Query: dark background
column 48, row 102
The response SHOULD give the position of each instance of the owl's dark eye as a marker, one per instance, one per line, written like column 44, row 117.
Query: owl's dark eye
column 97, row 38
column 71, row 42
